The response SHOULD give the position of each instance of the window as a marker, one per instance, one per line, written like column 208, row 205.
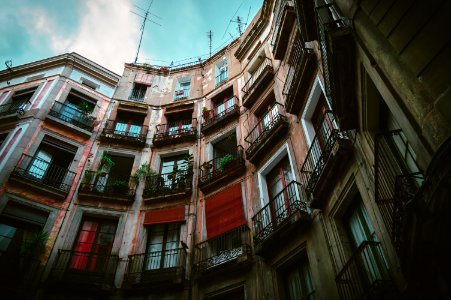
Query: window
column 93, row 245
column 76, row 107
column 297, row 281
column 138, row 92
column 115, row 175
column 221, row 71
column 128, row 124
column 18, row 102
column 225, row 105
column 173, row 170
column 162, row 246
column 179, row 125
column 182, row 88
column 268, row 117
column 3, row 137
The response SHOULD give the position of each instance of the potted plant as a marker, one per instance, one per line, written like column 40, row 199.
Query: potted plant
column 205, row 113
column 143, row 171
column 225, row 161
column 85, row 107
column 106, row 163
column 120, row 186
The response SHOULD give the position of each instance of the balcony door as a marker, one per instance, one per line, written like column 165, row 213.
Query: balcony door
column 223, row 106
column 162, row 246
column 268, row 118
column 93, row 245
column 277, row 181
column 128, row 125
column 169, row 168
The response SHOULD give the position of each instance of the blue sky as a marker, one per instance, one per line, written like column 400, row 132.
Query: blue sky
column 106, row 32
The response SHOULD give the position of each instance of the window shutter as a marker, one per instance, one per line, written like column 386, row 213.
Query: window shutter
column 168, row 215
column 143, row 78
column 224, row 211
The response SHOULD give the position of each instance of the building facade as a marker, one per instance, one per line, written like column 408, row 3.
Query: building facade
column 308, row 159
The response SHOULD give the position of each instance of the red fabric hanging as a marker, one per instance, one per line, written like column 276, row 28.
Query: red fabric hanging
column 168, row 215
column 224, row 211
column 144, row 78
column 84, row 245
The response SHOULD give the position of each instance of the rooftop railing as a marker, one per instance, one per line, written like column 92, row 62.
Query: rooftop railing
column 41, row 171
column 279, row 209
column 72, row 116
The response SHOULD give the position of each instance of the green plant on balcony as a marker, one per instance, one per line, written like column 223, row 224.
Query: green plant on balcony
column 36, row 244
column 85, row 107
column 120, row 186
column 225, row 161
column 106, row 163
column 143, row 171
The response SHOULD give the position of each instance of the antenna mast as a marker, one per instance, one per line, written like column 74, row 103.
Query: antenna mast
column 210, row 39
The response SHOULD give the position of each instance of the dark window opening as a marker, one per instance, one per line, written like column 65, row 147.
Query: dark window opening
column 3, row 137
column 138, row 92
column 297, row 281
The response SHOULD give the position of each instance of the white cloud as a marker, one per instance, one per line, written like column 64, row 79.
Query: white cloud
column 107, row 32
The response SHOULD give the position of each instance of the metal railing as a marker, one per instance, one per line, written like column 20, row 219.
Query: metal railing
column 108, row 184
column 251, row 82
column 44, row 172
column 219, row 166
column 278, row 13
column 84, row 267
column 177, row 129
column 134, row 132
column 13, row 107
column 320, row 149
column 223, row 76
column 211, row 116
column 168, row 183
column 397, row 180
column 328, row 20
column 137, row 94
column 72, row 116
column 181, row 94
column 264, row 127
column 223, row 248
column 141, row 265
column 279, row 209
column 365, row 275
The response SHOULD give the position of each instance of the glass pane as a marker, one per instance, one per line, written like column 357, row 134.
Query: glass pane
column 6, row 236
column 120, row 128
column 134, row 130
column 40, row 164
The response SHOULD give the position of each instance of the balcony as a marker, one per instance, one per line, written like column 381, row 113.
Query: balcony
column 330, row 150
column 301, row 72
column 279, row 217
column 221, row 78
column 15, row 109
column 175, row 132
column 72, row 116
column 284, row 17
column 365, row 275
column 397, row 182
column 257, row 82
column 181, row 95
column 156, row 270
column 339, row 64
column 168, row 186
column 133, row 135
column 226, row 252
column 221, row 170
column 83, row 270
column 212, row 119
column 43, row 175
column 264, row 136
column 107, row 187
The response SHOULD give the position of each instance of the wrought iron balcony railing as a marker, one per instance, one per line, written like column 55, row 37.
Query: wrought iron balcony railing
column 223, row 248
column 253, row 80
column 134, row 133
column 167, row 184
column 283, row 21
column 264, row 127
column 221, row 78
column 106, row 184
column 279, row 209
column 156, row 266
column 175, row 131
column 15, row 107
column 84, row 268
column 365, row 275
column 221, row 166
column 181, row 94
column 43, row 172
column 397, row 180
column 212, row 117
column 320, row 150
column 72, row 116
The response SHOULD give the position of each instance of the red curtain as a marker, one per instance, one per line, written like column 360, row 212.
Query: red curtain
column 84, row 245
column 224, row 211
column 168, row 215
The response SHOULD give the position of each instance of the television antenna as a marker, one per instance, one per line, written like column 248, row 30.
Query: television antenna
column 9, row 65
column 145, row 14
column 238, row 20
column 210, row 39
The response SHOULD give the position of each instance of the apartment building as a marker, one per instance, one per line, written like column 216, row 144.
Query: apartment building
column 308, row 159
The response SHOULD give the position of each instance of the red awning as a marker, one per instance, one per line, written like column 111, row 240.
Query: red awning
column 144, row 78
column 168, row 215
column 224, row 211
